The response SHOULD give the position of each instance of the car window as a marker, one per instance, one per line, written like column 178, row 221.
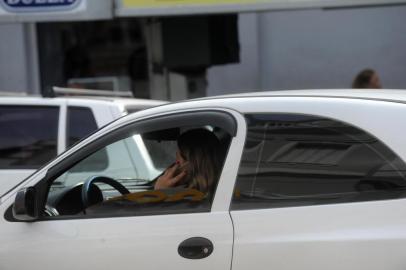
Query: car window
column 80, row 123
column 28, row 136
column 295, row 160
column 127, row 185
column 161, row 152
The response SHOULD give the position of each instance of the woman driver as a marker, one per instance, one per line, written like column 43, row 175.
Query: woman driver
column 198, row 162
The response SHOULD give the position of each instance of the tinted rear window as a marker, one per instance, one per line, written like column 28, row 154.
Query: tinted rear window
column 297, row 160
column 28, row 136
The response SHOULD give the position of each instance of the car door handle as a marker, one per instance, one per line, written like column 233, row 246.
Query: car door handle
column 195, row 248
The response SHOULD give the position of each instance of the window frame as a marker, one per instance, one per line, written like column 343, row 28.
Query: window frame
column 214, row 117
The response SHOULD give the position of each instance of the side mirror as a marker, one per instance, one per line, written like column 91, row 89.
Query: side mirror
column 25, row 205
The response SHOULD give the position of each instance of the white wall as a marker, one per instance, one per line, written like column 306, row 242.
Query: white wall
column 12, row 58
column 315, row 49
column 18, row 59
column 325, row 49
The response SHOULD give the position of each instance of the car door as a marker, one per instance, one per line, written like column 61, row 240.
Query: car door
column 200, row 237
column 321, row 186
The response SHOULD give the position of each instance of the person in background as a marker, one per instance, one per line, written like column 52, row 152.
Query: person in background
column 367, row 78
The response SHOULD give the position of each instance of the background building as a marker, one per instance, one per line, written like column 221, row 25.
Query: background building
column 205, row 48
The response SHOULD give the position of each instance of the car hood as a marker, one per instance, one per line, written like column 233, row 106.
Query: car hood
column 11, row 178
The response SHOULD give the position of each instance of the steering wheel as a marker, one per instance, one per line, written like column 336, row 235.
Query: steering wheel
column 100, row 179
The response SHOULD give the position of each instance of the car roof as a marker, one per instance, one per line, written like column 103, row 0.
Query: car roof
column 123, row 101
column 227, row 101
column 38, row 100
column 372, row 94
column 368, row 94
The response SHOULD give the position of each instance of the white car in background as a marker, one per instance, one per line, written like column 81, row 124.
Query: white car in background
column 34, row 130
column 310, row 180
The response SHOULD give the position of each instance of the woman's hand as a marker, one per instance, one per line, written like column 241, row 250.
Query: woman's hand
column 170, row 177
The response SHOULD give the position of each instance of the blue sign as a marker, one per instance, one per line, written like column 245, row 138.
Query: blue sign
column 38, row 5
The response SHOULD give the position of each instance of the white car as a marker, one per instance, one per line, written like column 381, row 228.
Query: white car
column 311, row 180
column 34, row 130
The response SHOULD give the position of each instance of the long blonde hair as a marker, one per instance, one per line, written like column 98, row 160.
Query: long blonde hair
column 201, row 149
